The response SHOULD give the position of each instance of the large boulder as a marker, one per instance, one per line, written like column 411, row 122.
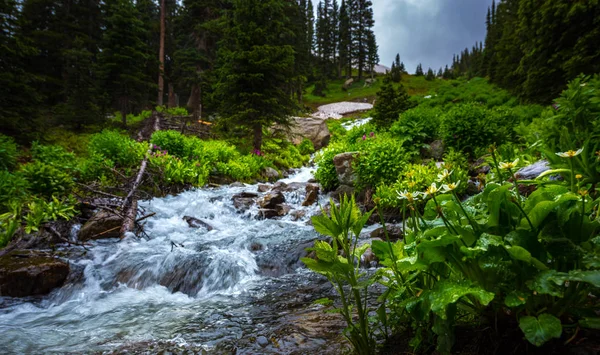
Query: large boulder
column 271, row 200
column 102, row 225
column 344, row 167
column 28, row 272
column 314, row 129
column 347, row 84
column 270, row 173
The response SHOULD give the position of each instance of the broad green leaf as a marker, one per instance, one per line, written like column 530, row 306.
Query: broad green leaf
column 324, row 251
column 382, row 251
column 494, row 201
column 541, row 329
column 515, row 299
column 588, row 322
column 538, row 214
column 590, row 276
column 448, row 292
column 326, row 226
column 522, row 254
column 548, row 283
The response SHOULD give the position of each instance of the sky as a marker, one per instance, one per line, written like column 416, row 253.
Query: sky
column 429, row 32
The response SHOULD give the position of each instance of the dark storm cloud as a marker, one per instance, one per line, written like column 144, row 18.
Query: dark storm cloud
column 427, row 31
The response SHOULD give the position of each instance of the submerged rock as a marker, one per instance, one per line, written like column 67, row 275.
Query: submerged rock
column 97, row 226
column 28, row 272
column 244, row 200
column 197, row 223
column 264, row 187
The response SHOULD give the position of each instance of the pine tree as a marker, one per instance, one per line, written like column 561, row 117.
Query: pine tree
column 440, row 73
column 345, row 40
column 430, row 75
column 361, row 24
column 419, row 71
column 396, row 72
column 373, row 56
column 19, row 101
column 252, row 93
column 447, row 73
column 391, row 102
column 123, row 59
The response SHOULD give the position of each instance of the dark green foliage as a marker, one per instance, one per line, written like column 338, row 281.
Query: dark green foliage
column 430, row 75
column 256, row 66
column 172, row 142
column 13, row 187
column 419, row 71
column 326, row 174
column 124, row 57
column 381, row 161
column 46, row 180
column 116, row 147
column 54, row 155
column 391, row 102
column 417, row 127
column 396, row 71
column 468, row 127
column 8, row 153
column 306, row 147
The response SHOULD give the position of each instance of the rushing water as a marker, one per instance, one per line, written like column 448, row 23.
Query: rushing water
column 238, row 288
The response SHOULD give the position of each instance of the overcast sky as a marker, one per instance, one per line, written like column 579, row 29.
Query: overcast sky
column 427, row 31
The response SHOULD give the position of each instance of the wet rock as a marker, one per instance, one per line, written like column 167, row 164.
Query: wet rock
column 267, row 213
column 100, row 223
column 292, row 186
column 197, row 223
column 533, row 171
column 244, row 200
column 28, row 272
column 341, row 191
column 297, row 214
column 281, row 259
column 271, row 200
column 270, row 173
column 262, row 341
column 312, row 194
column 344, row 167
column 256, row 246
column 237, row 184
column 473, row 188
column 478, row 167
column 264, row 187
column 312, row 181
column 394, row 233
column 311, row 128
column 283, row 209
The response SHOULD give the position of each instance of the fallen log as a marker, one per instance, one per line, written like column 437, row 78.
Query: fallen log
column 115, row 228
column 129, row 206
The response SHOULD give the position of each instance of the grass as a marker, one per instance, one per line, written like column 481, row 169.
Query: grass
column 358, row 91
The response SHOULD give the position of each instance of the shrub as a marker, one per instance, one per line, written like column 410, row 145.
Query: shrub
column 467, row 127
column 416, row 127
column 46, row 180
column 54, row 155
column 306, row 147
column 173, row 111
column 381, row 161
column 8, row 153
column 172, row 142
column 13, row 187
column 94, row 167
column 179, row 171
column 283, row 154
column 391, row 102
column 211, row 152
column 119, row 148
column 326, row 174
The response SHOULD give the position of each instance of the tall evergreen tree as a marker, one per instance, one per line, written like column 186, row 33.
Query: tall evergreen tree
column 256, row 65
column 430, row 75
column 361, row 24
column 345, row 40
column 372, row 56
column 419, row 71
column 123, row 58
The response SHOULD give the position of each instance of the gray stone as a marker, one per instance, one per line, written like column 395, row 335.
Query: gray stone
column 100, row 223
column 264, row 187
column 369, row 82
column 237, row 184
column 271, row 173
column 197, row 223
column 262, row 341
column 283, row 209
column 312, row 194
column 533, row 171
column 394, row 232
column 311, row 128
column 344, row 167
column 436, row 149
column 28, row 272
column 297, row 214
column 347, row 84
column 268, row 213
column 341, row 191
column 244, row 200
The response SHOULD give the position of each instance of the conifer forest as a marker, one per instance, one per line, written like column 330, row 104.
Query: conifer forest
column 298, row 177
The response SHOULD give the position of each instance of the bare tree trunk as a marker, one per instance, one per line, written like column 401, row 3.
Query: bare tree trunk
column 161, row 56
column 172, row 98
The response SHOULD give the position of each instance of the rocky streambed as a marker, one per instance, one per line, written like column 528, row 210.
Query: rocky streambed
column 219, row 272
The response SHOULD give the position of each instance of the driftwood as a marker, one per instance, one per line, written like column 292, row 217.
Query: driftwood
column 115, row 228
column 129, row 205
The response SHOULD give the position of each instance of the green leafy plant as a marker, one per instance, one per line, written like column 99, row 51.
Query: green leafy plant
column 172, row 142
column 8, row 153
column 40, row 211
column 46, row 180
column 325, row 173
column 343, row 270
column 13, row 187
column 120, row 149
column 54, row 155
column 381, row 161
column 306, row 147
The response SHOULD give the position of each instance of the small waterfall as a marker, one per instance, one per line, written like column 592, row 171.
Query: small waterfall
column 181, row 285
